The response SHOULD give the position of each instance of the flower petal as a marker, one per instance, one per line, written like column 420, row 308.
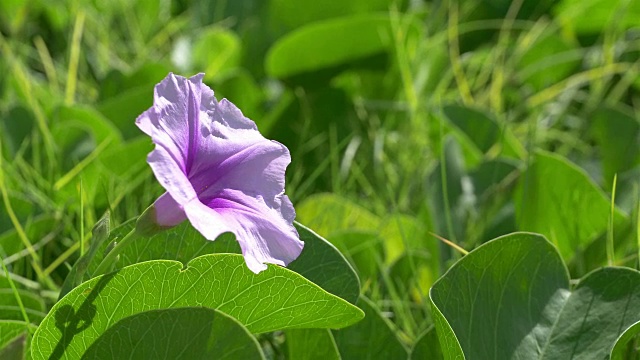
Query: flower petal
column 265, row 234
column 173, row 122
column 169, row 175
column 238, row 157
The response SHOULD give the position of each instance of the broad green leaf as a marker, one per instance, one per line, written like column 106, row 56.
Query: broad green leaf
column 89, row 120
column 482, row 132
column 511, row 298
column 625, row 346
column 363, row 249
column 427, row 346
column 311, row 344
column 124, row 108
column 321, row 263
column 617, row 135
column 449, row 344
column 404, row 233
column 181, row 333
column 413, row 274
column 330, row 214
column 243, row 90
column 329, row 43
column 547, row 61
column 277, row 298
column 595, row 16
column 495, row 175
column 148, row 75
column 371, row 338
column 292, row 15
column 559, row 200
column 124, row 160
column 182, row 243
column 216, row 52
column 12, row 15
column 481, row 129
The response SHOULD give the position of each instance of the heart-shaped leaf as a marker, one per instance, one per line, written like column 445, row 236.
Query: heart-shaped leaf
column 511, row 298
column 558, row 199
column 319, row 261
column 182, row 333
column 277, row 298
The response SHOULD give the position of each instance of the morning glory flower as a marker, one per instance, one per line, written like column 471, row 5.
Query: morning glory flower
column 219, row 172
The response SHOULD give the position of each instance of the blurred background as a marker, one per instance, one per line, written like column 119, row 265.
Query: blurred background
column 465, row 119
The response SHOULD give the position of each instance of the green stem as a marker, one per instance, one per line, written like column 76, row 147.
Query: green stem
column 112, row 256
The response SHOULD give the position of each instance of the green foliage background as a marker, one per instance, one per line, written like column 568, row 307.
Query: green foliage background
column 407, row 120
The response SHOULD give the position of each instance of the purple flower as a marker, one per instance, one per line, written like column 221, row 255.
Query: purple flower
column 219, row 172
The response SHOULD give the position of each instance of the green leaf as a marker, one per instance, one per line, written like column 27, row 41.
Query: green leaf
column 216, row 52
column 413, row 274
column 89, row 120
column 124, row 108
column 404, row 233
column 182, row 243
column 311, row 344
column 182, row 333
column 321, row 263
column 427, row 346
column 330, row 214
column 558, row 199
column 328, row 44
column 291, row 14
column 617, row 136
column 481, row 129
column 363, row 249
column 371, row 338
column 277, row 298
column 547, row 61
column 511, row 298
column 625, row 346
column 596, row 16
column 490, row 174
